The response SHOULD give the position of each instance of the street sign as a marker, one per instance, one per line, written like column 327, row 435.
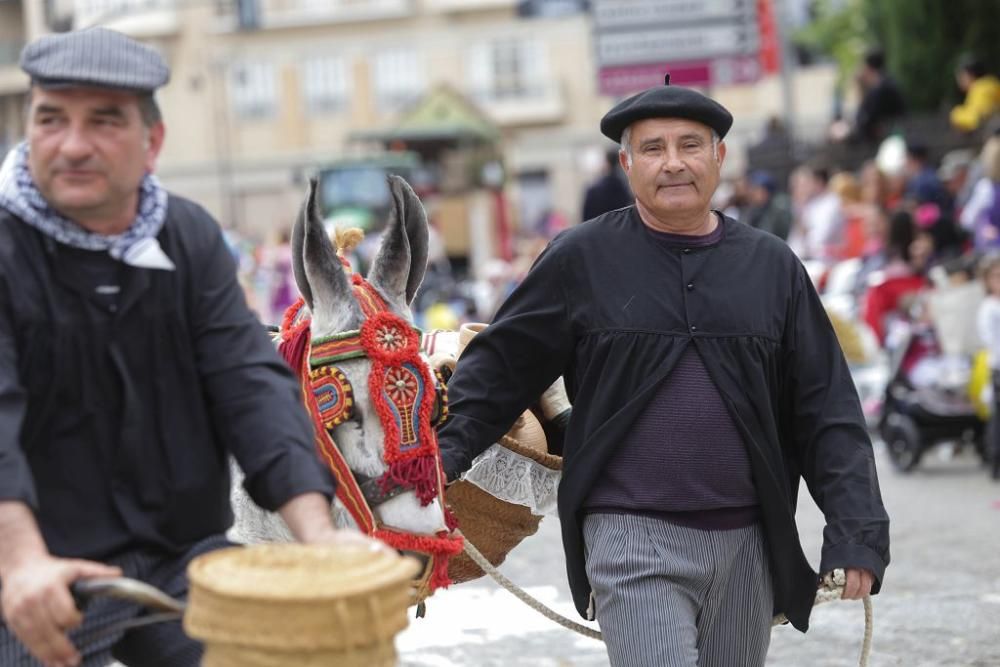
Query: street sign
column 611, row 14
column 627, row 79
column 700, row 42
column 664, row 44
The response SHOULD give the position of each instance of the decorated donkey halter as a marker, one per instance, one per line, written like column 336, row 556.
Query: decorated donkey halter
column 409, row 403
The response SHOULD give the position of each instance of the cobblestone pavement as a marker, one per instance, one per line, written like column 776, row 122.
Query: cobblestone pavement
column 940, row 606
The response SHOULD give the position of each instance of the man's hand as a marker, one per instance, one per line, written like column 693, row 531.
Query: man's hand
column 39, row 608
column 858, row 585
column 308, row 517
column 349, row 538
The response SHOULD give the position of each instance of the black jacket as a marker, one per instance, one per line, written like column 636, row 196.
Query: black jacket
column 880, row 107
column 606, row 194
column 612, row 311
column 117, row 418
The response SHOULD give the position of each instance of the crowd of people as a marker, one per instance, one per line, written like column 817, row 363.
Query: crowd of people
column 448, row 297
column 880, row 241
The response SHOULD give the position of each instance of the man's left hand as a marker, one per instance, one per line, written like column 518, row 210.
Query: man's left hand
column 346, row 537
column 859, row 584
column 308, row 517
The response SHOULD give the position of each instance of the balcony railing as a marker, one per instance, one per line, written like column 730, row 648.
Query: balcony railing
column 455, row 6
column 296, row 13
column 529, row 104
column 138, row 18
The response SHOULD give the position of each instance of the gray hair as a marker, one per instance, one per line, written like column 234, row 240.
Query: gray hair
column 626, row 144
column 149, row 110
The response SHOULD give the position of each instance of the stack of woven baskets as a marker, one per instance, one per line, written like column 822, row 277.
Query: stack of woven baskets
column 274, row 605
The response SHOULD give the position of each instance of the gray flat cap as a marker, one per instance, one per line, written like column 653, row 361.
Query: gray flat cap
column 95, row 57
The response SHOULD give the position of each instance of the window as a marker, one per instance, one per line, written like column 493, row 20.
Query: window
column 399, row 79
column 253, row 90
column 99, row 11
column 325, row 84
column 508, row 68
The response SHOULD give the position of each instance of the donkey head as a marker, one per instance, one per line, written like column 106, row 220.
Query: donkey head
column 328, row 291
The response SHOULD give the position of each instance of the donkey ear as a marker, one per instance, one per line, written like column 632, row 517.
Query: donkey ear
column 298, row 242
column 399, row 266
column 318, row 270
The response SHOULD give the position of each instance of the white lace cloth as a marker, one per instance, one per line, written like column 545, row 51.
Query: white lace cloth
column 498, row 471
column 516, row 479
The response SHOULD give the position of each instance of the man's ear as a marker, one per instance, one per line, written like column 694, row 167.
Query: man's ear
column 722, row 153
column 153, row 145
column 623, row 161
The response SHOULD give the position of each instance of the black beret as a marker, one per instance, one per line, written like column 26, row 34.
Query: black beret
column 666, row 101
column 95, row 57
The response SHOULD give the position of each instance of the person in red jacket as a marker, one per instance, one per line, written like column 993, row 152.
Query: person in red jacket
column 909, row 250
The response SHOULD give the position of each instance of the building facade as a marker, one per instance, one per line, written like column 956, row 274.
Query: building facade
column 20, row 22
column 264, row 92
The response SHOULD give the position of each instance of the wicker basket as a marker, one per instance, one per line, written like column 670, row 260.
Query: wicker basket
column 292, row 604
column 492, row 525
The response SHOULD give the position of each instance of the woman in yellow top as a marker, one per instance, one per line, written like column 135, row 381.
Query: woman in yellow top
column 982, row 96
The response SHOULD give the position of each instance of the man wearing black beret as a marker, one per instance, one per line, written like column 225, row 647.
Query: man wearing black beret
column 130, row 367
column 706, row 382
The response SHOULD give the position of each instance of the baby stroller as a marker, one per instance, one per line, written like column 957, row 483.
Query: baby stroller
column 926, row 399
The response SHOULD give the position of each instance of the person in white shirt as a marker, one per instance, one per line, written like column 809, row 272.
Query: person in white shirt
column 988, row 324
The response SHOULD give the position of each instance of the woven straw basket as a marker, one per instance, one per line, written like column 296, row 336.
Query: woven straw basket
column 493, row 526
column 273, row 605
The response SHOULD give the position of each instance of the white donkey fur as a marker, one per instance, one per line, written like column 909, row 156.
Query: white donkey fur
column 396, row 273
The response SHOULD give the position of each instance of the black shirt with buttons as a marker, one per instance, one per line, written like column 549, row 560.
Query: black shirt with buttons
column 124, row 390
column 615, row 311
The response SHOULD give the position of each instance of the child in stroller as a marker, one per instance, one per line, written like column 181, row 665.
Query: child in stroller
column 926, row 399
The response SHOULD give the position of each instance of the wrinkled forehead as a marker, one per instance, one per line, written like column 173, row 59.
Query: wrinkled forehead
column 82, row 98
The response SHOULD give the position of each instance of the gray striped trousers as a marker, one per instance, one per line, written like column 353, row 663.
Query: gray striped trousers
column 670, row 596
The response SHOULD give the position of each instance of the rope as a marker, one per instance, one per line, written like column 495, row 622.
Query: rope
column 506, row 583
column 831, row 589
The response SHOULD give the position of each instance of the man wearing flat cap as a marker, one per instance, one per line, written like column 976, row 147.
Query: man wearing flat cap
column 706, row 381
column 130, row 367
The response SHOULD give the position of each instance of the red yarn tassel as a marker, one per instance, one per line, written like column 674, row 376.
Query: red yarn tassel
column 441, row 548
column 419, row 474
column 439, row 577
column 450, row 519
column 294, row 349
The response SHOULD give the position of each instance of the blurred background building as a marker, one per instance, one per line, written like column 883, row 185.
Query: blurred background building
column 470, row 97
column 866, row 135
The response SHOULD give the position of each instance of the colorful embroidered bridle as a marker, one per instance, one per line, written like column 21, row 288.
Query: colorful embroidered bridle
column 409, row 403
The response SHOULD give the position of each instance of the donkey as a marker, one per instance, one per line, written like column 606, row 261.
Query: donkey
column 364, row 394
column 329, row 295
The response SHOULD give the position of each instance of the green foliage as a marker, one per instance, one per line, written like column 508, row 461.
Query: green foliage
column 840, row 34
column 923, row 41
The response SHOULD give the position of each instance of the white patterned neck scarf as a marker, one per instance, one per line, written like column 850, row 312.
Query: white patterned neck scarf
column 136, row 246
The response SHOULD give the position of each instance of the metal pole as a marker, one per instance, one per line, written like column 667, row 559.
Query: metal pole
column 787, row 67
column 217, row 71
